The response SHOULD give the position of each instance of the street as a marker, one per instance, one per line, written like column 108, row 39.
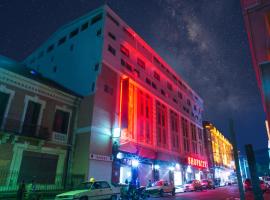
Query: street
column 222, row 193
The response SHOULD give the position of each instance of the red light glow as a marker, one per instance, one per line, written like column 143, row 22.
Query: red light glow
column 197, row 162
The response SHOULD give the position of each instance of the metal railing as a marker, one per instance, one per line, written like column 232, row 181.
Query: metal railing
column 18, row 127
column 10, row 181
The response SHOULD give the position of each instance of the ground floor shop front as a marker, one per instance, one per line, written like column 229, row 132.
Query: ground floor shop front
column 139, row 170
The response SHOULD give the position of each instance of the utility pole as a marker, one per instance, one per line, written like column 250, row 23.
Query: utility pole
column 253, row 172
column 236, row 160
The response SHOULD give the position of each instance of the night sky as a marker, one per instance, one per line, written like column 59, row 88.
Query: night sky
column 204, row 41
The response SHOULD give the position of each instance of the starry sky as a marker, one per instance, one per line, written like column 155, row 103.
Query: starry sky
column 204, row 41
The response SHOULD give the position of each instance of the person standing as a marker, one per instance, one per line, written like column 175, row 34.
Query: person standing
column 21, row 191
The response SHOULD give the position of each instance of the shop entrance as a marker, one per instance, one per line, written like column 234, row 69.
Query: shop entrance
column 125, row 174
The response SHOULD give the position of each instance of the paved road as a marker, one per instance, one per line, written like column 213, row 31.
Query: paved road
column 222, row 193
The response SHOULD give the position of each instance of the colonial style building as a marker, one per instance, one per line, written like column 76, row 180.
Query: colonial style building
column 220, row 154
column 36, row 125
column 257, row 22
column 138, row 119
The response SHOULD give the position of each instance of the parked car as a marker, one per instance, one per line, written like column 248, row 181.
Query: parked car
column 193, row 185
column 161, row 187
column 90, row 190
column 207, row 184
column 248, row 185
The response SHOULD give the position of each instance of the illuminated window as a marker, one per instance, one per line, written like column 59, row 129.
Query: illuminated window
column 156, row 76
column 161, row 123
column 141, row 63
column 184, row 124
column 174, row 130
column 144, row 119
column 124, row 50
column 169, row 86
column 61, row 121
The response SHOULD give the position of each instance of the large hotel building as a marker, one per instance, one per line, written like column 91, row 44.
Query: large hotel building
column 138, row 119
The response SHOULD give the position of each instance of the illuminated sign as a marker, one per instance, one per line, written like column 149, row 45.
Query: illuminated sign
column 197, row 162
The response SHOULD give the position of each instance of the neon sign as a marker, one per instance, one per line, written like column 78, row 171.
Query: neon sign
column 197, row 162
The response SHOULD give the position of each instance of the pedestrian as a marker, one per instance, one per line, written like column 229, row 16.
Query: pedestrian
column 30, row 190
column 149, row 183
column 21, row 191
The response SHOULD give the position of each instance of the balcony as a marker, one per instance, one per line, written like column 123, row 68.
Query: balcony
column 20, row 128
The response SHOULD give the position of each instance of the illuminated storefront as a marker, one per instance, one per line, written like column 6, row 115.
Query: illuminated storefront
column 195, row 169
column 221, row 154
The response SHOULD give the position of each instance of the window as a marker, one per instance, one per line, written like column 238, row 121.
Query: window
column 188, row 102
column 162, row 92
column 54, row 68
column 73, row 33
column 96, row 18
column 137, row 73
column 156, row 76
column 184, row 124
column 104, row 185
column 180, row 95
column 174, row 130
column 144, row 120
column 62, row 40
column 147, row 80
column 169, row 86
column 93, row 87
column 174, row 100
column 50, row 48
column 112, row 36
column 128, row 33
column 98, row 32
column 31, row 117
column 161, row 124
column 108, row 89
column 112, row 50
column 124, row 50
column 84, row 26
column 128, row 67
column 154, row 85
column 4, row 97
column 96, row 67
column 61, row 121
column 141, row 63
column 113, row 20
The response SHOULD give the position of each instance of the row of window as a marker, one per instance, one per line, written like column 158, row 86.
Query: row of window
column 153, row 59
column 72, row 34
column 32, row 115
column 141, row 63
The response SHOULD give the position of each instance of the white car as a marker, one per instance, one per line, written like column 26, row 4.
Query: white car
column 90, row 191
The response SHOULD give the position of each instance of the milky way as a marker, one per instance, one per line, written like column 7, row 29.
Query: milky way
column 204, row 41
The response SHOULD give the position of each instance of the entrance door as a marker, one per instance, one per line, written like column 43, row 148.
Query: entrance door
column 4, row 97
column 31, row 118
